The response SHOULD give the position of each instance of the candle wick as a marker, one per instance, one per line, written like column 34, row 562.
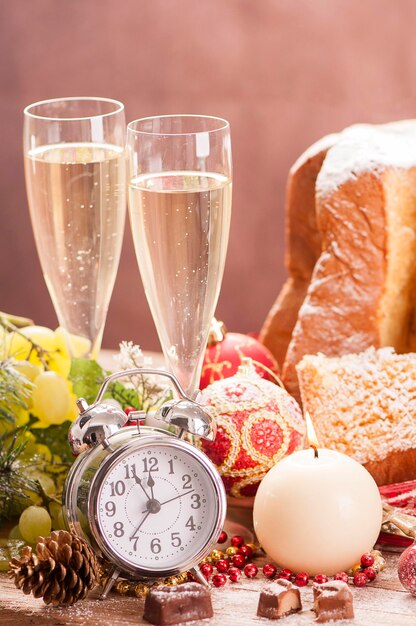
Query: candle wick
column 315, row 451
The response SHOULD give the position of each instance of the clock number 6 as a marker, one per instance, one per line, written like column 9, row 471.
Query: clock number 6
column 155, row 546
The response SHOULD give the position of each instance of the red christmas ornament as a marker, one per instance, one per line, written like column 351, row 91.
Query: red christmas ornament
column 269, row 570
column 367, row 560
column 301, row 579
column 225, row 352
column 341, row 576
column 246, row 551
column 320, row 578
column 238, row 560
column 237, row 541
column 370, row 572
column 406, row 569
column 222, row 565
column 251, row 570
column 360, row 579
column 219, row 580
column 234, row 574
column 223, row 537
column 259, row 423
column 206, row 569
column 285, row 573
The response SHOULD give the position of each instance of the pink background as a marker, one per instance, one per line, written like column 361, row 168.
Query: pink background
column 283, row 72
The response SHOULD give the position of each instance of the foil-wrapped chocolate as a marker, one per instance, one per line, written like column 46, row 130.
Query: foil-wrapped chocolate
column 278, row 599
column 332, row 601
column 166, row 605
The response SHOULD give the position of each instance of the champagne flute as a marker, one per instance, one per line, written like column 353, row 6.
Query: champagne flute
column 75, row 179
column 180, row 211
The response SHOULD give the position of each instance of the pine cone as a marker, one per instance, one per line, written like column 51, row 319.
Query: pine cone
column 61, row 571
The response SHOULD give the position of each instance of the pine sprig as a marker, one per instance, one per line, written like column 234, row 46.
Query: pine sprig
column 15, row 390
column 15, row 485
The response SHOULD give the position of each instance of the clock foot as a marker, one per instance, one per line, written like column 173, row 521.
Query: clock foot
column 110, row 582
column 196, row 572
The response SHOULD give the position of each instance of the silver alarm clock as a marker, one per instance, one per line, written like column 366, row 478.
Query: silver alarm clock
column 150, row 502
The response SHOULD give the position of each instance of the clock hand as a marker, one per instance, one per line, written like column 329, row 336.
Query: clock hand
column 139, row 482
column 140, row 525
column 151, row 484
column 175, row 498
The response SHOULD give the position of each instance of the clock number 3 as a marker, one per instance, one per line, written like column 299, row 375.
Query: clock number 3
column 196, row 501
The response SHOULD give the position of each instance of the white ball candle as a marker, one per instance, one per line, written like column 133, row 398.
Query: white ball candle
column 317, row 514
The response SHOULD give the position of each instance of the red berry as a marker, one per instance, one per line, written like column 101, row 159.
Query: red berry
column 285, row 573
column 301, row 579
column 223, row 537
column 370, row 572
column 246, row 550
column 320, row 578
column 238, row 560
column 269, row 570
column 219, row 580
column 235, row 574
column 237, row 541
column 341, row 576
column 222, row 565
column 360, row 579
column 367, row 560
column 250, row 570
column 129, row 409
column 206, row 569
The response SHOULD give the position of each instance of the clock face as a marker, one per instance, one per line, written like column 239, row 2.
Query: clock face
column 157, row 506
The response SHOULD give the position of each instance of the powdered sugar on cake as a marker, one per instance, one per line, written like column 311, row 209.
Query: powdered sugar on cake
column 366, row 147
column 363, row 405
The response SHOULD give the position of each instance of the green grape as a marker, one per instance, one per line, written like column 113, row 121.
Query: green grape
column 9, row 548
column 28, row 369
column 46, row 481
column 15, row 533
column 57, row 515
column 33, row 522
column 51, row 398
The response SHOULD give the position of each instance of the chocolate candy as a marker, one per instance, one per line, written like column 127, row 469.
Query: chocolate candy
column 278, row 599
column 173, row 605
column 332, row 601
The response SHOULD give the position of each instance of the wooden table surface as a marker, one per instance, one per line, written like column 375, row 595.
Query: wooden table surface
column 382, row 603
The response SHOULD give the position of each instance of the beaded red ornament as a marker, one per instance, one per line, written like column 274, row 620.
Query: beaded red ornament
column 370, row 572
column 206, row 569
column 246, row 551
column 367, row 560
column 258, row 422
column 237, row 541
column 238, row 560
column 285, row 573
column 341, row 576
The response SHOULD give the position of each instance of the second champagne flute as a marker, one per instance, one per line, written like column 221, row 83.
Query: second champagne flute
column 180, row 210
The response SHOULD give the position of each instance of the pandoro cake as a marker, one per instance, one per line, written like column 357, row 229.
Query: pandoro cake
column 361, row 291
column 364, row 405
column 303, row 247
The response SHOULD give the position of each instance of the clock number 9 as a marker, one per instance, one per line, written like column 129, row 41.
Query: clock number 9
column 110, row 509
column 155, row 546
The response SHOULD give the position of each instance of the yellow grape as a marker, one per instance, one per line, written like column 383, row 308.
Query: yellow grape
column 57, row 358
column 35, row 521
column 52, row 401
column 15, row 533
column 46, row 481
column 27, row 369
column 77, row 345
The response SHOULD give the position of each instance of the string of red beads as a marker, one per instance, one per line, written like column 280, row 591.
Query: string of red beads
column 236, row 560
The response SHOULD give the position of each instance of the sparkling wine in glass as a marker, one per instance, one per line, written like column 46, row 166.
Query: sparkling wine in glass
column 180, row 211
column 75, row 179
